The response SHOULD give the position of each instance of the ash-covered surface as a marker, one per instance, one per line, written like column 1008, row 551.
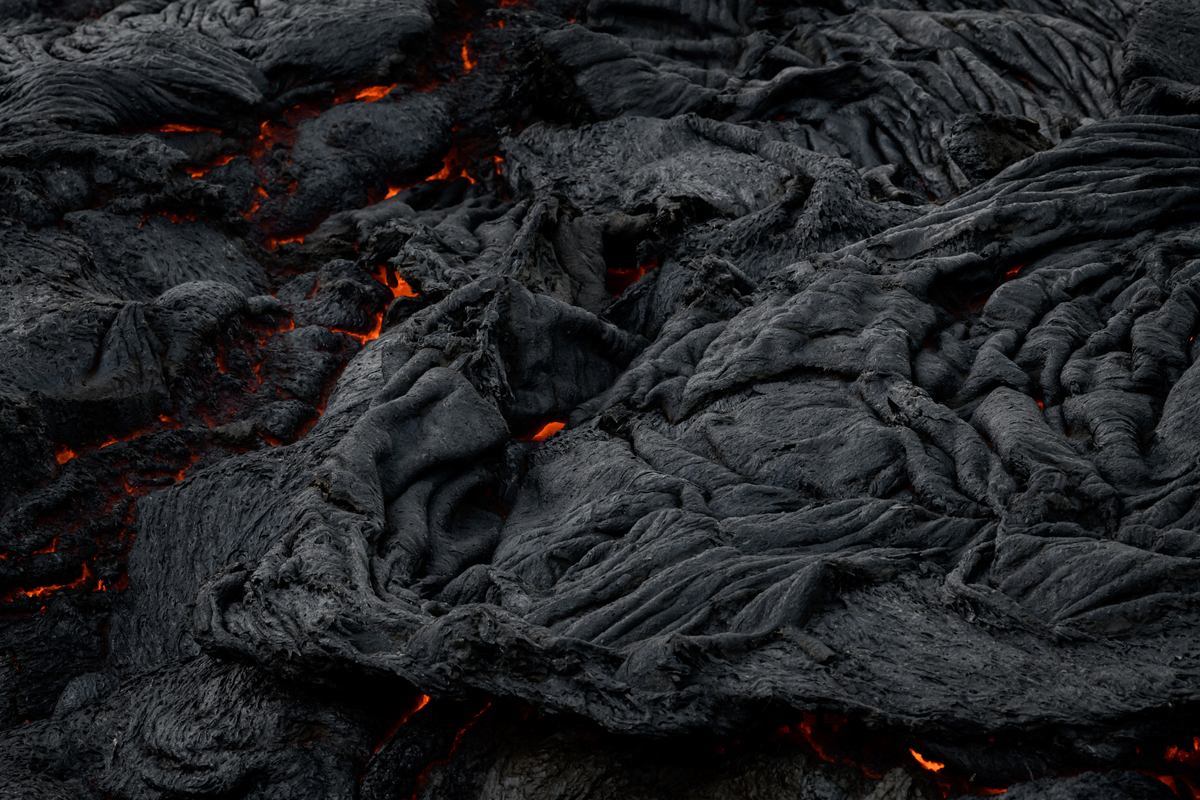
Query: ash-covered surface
column 637, row 399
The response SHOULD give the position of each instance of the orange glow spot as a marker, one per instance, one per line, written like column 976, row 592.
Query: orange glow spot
column 182, row 472
column 467, row 62
column 498, row 163
column 391, row 279
column 992, row 792
column 547, row 430
column 371, row 94
column 926, row 763
column 85, row 577
column 422, row 779
column 392, row 192
column 269, row 135
column 177, row 219
column 1014, row 272
column 422, row 701
column 50, row 548
column 808, row 731
column 219, row 161
column 275, row 244
column 402, row 288
column 1181, row 755
column 1041, row 404
column 619, row 279
column 64, row 454
column 369, row 336
column 260, row 194
column 447, row 172
column 178, row 127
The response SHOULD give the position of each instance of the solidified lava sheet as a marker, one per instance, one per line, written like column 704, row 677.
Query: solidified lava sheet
column 640, row 399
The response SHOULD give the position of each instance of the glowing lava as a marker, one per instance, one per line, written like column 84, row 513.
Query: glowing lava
column 260, row 194
column 369, row 336
column 371, row 94
column 927, row 763
column 64, row 454
column 621, row 278
column 1014, row 272
column 422, row 701
column 1182, row 755
column 391, row 279
column 546, row 431
column 85, row 578
column 468, row 62
column 276, row 243
column 219, row 161
column 178, row 127
column 423, row 777
column 448, row 171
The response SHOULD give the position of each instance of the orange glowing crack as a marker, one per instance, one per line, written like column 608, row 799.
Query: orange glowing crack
column 260, row 194
column 546, row 431
column 219, row 161
column 371, row 94
column 179, row 127
column 447, row 172
column 275, row 244
column 467, row 62
column 63, row 454
column 422, row 701
column 182, row 472
column 926, row 763
column 369, row 336
column 48, row 549
column 391, row 279
column 178, row 219
column 1181, row 755
column 85, row 578
column 1014, row 272
column 424, row 775
column 621, row 278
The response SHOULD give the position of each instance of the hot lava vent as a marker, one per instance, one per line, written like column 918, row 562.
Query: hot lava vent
column 563, row 400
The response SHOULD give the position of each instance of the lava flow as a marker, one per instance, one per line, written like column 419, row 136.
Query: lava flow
column 771, row 397
column 545, row 432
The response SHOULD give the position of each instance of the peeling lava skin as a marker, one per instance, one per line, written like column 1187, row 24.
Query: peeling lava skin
column 647, row 399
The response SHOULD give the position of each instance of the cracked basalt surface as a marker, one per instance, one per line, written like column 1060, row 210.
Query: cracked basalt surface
column 639, row 399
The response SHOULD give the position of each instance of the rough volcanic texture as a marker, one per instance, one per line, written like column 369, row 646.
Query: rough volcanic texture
column 639, row 399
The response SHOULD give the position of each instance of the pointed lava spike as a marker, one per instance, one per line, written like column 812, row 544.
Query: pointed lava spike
column 700, row 400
